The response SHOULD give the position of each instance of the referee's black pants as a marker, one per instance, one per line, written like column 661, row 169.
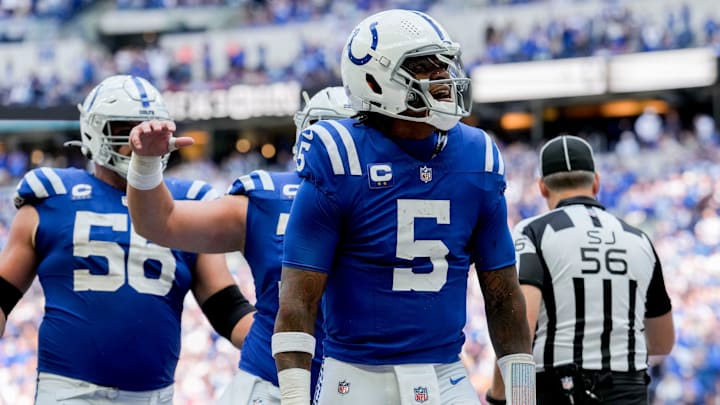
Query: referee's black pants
column 591, row 387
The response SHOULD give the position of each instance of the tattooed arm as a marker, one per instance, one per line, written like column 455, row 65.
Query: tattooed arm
column 509, row 330
column 505, row 311
column 293, row 344
column 533, row 298
column 300, row 294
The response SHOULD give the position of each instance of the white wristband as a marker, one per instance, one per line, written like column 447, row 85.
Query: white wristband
column 294, row 386
column 518, row 373
column 144, row 172
column 293, row 342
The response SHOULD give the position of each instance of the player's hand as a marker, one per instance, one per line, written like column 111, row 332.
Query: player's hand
column 155, row 138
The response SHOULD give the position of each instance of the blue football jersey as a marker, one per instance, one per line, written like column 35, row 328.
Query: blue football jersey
column 270, row 196
column 113, row 300
column 403, row 233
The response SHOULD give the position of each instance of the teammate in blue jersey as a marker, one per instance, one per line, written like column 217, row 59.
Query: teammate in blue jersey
column 260, row 202
column 394, row 207
column 113, row 299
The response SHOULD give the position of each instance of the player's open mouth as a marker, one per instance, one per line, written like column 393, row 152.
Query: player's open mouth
column 441, row 94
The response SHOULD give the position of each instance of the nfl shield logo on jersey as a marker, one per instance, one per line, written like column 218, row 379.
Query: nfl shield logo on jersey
column 426, row 174
column 421, row 394
column 567, row 383
column 343, row 387
column 257, row 401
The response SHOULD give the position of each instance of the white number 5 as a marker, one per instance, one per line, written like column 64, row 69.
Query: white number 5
column 404, row 279
column 140, row 251
column 302, row 147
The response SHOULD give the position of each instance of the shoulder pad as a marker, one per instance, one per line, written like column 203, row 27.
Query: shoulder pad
column 479, row 142
column 522, row 224
column 494, row 162
column 259, row 180
column 328, row 149
column 39, row 184
column 191, row 189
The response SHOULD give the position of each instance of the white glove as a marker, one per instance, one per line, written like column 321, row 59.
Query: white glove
column 518, row 373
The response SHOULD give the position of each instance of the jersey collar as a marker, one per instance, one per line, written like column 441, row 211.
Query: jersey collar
column 580, row 200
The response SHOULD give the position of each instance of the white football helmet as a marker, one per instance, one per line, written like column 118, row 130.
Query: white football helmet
column 330, row 103
column 118, row 101
column 375, row 69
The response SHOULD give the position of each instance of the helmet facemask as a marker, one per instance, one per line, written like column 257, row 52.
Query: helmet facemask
column 108, row 114
column 113, row 151
column 440, row 99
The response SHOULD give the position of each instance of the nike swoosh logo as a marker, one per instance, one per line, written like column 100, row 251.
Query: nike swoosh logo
column 454, row 381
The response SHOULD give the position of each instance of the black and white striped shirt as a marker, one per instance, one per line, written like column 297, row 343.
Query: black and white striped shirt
column 599, row 277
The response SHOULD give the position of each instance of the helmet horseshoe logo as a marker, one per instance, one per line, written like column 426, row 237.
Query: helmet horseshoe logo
column 365, row 59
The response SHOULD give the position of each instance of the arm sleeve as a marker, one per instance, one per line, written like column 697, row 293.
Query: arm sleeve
column 313, row 230
column 657, row 302
column 493, row 244
column 225, row 308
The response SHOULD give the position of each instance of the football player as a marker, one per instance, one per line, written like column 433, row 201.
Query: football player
column 260, row 202
column 113, row 299
column 394, row 207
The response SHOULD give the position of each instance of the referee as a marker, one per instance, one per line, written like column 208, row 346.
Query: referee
column 593, row 287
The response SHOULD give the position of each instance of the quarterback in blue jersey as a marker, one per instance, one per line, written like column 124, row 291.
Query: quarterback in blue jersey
column 113, row 299
column 260, row 202
column 395, row 205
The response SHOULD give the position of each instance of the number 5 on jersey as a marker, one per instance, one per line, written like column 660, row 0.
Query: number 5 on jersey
column 408, row 248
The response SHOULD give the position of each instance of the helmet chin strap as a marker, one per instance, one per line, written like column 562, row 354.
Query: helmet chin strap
column 438, row 119
column 443, row 122
column 440, row 143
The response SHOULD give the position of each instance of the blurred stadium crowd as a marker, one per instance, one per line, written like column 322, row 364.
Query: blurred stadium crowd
column 670, row 188
column 221, row 61
column 668, row 185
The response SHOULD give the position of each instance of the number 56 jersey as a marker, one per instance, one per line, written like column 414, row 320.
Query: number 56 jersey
column 113, row 300
column 396, row 236
column 600, row 278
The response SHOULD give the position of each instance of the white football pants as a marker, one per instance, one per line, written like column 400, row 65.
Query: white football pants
column 343, row 383
column 53, row 389
column 247, row 389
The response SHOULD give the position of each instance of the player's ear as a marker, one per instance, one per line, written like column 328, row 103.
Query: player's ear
column 596, row 184
column 543, row 188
